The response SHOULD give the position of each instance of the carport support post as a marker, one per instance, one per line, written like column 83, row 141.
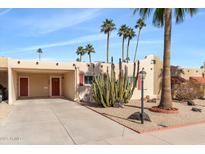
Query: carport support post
column 76, row 84
column 10, row 81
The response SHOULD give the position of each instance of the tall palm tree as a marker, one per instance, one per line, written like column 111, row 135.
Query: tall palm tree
column 130, row 35
column 80, row 51
column 140, row 24
column 107, row 27
column 89, row 49
column 163, row 17
column 123, row 32
column 39, row 51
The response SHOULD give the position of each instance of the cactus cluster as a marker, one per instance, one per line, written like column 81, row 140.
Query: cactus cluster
column 107, row 90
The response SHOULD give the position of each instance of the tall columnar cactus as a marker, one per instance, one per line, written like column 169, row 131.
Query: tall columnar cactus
column 107, row 90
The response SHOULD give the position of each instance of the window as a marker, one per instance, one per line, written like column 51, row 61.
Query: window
column 88, row 79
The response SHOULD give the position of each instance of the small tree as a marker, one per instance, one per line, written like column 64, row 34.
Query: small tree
column 80, row 51
column 123, row 33
column 107, row 27
column 89, row 49
column 140, row 24
column 39, row 51
column 130, row 34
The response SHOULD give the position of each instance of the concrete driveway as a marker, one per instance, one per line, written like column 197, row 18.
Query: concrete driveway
column 59, row 121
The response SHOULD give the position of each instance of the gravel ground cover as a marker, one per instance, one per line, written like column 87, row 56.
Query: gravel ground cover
column 158, row 120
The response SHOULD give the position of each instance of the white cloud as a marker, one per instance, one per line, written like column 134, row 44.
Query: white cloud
column 5, row 11
column 140, row 42
column 78, row 40
column 48, row 24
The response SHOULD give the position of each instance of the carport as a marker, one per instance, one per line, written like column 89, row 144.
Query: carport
column 35, row 83
column 40, row 79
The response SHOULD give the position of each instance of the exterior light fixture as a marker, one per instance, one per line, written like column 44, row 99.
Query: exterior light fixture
column 56, row 64
column 142, row 75
column 18, row 62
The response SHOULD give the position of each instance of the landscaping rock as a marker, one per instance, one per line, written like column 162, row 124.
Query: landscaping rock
column 191, row 103
column 154, row 100
column 137, row 116
column 196, row 109
column 119, row 105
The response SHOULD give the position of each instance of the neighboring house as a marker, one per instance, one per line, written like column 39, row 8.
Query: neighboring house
column 186, row 73
column 71, row 80
column 180, row 75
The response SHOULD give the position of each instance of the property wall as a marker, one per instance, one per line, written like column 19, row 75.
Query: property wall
column 69, row 85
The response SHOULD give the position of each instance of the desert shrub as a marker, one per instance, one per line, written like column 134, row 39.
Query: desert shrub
column 107, row 90
column 188, row 91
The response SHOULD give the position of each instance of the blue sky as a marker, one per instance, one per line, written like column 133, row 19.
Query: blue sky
column 60, row 31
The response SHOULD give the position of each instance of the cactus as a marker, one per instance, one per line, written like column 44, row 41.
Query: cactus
column 107, row 90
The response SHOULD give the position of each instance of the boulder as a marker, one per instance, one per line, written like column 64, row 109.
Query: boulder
column 196, row 109
column 119, row 104
column 137, row 116
column 191, row 103
column 154, row 100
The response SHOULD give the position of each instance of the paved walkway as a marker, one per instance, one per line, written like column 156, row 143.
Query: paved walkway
column 58, row 121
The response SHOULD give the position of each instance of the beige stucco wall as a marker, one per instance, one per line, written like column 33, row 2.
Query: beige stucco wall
column 39, row 75
column 191, row 72
column 151, row 69
column 3, row 63
column 186, row 73
column 157, row 77
column 39, row 84
column 42, row 65
column 69, row 85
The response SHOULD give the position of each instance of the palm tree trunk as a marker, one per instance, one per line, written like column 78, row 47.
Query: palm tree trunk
column 108, row 39
column 138, row 38
column 128, row 45
column 39, row 56
column 123, row 42
column 89, row 57
column 166, row 99
column 80, row 58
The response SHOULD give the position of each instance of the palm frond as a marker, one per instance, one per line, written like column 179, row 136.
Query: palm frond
column 180, row 13
column 158, row 17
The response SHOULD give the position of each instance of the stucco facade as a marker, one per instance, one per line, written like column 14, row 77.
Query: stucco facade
column 40, row 77
column 186, row 73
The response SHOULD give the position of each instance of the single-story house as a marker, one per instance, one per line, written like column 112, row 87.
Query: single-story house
column 71, row 80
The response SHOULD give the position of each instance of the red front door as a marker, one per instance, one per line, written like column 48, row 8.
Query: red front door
column 55, row 87
column 23, row 86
